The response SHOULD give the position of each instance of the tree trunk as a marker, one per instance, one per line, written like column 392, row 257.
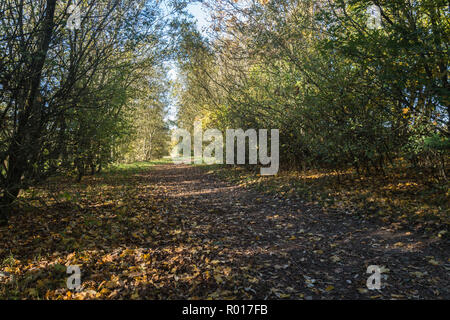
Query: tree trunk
column 22, row 148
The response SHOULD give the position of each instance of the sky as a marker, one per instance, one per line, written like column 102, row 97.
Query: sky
column 200, row 15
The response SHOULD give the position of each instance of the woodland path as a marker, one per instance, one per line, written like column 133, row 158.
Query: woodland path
column 283, row 248
column 179, row 232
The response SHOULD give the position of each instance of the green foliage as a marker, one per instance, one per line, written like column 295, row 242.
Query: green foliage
column 66, row 103
column 437, row 142
column 343, row 95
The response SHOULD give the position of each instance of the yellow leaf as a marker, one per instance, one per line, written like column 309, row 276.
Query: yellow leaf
column 135, row 235
column 335, row 259
column 218, row 278
column 253, row 280
column 362, row 290
column 32, row 292
column 417, row 274
column 434, row 262
column 135, row 296
column 146, row 257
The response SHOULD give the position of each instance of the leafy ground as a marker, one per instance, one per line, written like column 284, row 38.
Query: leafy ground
column 404, row 198
column 163, row 231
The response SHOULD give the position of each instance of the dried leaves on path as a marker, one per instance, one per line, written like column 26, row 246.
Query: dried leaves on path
column 175, row 232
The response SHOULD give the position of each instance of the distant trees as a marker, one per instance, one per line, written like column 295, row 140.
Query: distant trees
column 342, row 94
column 149, row 135
column 64, row 103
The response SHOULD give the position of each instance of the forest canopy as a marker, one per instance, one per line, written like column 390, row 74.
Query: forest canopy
column 74, row 99
column 342, row 93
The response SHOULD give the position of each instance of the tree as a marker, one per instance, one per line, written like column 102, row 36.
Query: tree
column 342, row 93
column 60, row 102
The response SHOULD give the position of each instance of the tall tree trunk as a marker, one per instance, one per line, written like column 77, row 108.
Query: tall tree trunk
column 24, row 140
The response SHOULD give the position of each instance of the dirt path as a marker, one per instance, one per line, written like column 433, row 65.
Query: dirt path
column 176, row 232
column 281, row 248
